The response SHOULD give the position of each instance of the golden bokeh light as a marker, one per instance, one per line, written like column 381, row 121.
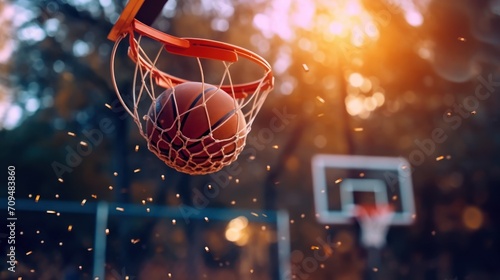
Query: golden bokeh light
column 237, row 232
column 356, row 79
column 472, row 217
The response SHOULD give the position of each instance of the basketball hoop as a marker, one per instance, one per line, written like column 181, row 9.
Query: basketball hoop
column 149, row 82
column 374, row 222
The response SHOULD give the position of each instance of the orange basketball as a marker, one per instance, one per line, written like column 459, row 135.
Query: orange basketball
column 196, row 128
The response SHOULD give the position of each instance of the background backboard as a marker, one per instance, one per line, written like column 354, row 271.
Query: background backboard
column 341, row 182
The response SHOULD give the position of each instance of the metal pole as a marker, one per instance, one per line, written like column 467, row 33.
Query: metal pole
column 101, row 223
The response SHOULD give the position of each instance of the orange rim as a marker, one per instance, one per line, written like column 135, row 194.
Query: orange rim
column 201, row 48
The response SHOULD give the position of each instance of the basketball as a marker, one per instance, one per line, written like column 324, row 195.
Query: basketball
column 196, row 127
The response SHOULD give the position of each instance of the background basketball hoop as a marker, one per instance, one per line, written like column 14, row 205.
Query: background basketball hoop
column 374, row 221
column 207, row 145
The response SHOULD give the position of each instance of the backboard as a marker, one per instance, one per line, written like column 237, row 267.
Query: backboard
column 341, row 182
column 146, row 11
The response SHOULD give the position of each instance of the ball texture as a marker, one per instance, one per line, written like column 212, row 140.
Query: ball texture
column 196, row 128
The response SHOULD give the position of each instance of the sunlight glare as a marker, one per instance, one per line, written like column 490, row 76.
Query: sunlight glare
column 283, row 18
column 414, row 18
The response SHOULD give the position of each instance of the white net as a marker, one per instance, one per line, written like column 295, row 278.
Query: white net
column 195, row 127
column 374, row 223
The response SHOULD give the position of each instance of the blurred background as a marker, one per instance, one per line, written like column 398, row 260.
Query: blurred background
column 413, row 78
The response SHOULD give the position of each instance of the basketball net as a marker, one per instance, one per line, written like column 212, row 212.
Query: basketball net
column 374, row 223
column 150, row 81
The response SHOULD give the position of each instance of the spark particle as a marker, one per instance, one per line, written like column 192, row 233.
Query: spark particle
column 29, row 253
column 314, row 248
column 107, row 105
column 70, row 227
column 83, row 202
column 320, row 99
column 71, row 133
column 439, row 158
column 358, row 129
column 338, row 180
column 137, row 170
column 305, row 67
column 207, row 249
column 136, row 148
column 83, row 143
column 254, row 214
column 37, row 198
column 121, row 209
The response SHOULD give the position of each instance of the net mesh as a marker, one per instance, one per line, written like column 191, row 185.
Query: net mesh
column 201, row 137
column 374, row 223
